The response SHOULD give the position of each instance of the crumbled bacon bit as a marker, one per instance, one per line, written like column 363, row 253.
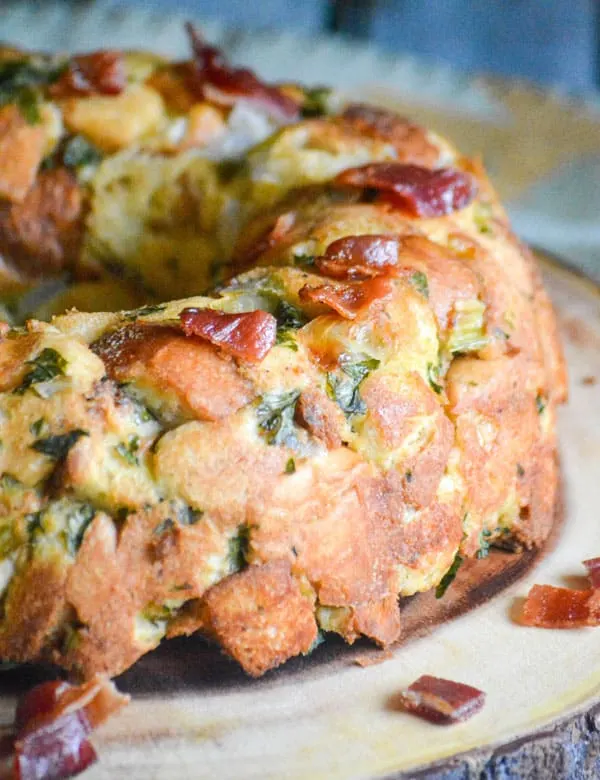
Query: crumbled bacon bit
column 348, row 300
column 53, row 722
column 442, row 701
column 421, row 192
column 98, row 73
column 550, row 607
column 214, row 79
column 247, row 336
column 356, row 257
column 593, row 567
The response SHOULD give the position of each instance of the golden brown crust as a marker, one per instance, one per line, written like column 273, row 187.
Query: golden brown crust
column 171, row 366
column 261, row 617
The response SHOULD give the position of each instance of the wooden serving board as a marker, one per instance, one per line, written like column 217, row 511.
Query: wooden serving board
column 195, row 715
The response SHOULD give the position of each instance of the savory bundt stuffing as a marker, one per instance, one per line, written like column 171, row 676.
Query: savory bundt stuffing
column 359, row 394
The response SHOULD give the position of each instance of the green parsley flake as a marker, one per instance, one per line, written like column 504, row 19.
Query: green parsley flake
column 57, row 447
column 275, row 413
column 433, row 378
column 484, row 543
column 129, row 452
column 345, row 390
column 46, row 366
column 449, row 576
column 419, row 281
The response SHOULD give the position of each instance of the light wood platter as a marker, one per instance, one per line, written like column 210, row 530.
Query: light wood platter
column 195, row 715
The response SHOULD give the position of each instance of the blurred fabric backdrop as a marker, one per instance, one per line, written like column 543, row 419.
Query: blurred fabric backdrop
column 544, row 41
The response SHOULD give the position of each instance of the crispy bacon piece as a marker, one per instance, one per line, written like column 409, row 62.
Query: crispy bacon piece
column 98, row 73
column 593, row 567
column 213, row 78
column 421, row 192
column 359, row 257
column 550, row 607
column 348, row 300
column 53, row 722
column 410, row 141
column 442, row 701
column 247, row 336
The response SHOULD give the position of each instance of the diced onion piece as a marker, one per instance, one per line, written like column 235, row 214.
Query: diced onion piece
column 467, row 333
column 442, row 701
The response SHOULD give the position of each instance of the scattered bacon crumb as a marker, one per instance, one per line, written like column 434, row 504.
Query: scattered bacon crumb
column 421, row 192
column 372, row 659
column 442, row 701
column 98, row 73
column 550, row 607
column 348, row 300
column 589, row 381
column 53, row 722
column 356, row 257
column 593, row 567
column 216, row 80
column 247, row 336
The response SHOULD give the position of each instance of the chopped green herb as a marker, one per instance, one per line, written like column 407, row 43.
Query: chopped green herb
column 144, row 311
column 540, row 403
column 275, row 413
column 38, row 427
column 484, row 543
column 290, row 466
column 158, row 613
column 316, row 102
column 77, row 152
column 420, row 283
column 7, row 481
column 520, row 470
column 21, row 83
column 288, row 318
column 304, row 261
column 189, row 516
column 33, row 524
column 77, row 522
column 166, row 525
column 408, row 476
column 345, row 390
column 449, row 576
column 433, row 377
column 57, row 447
column 230, row 168
column 46, row 366
column 287, row 339
column 129, row 451
column 239, row 546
